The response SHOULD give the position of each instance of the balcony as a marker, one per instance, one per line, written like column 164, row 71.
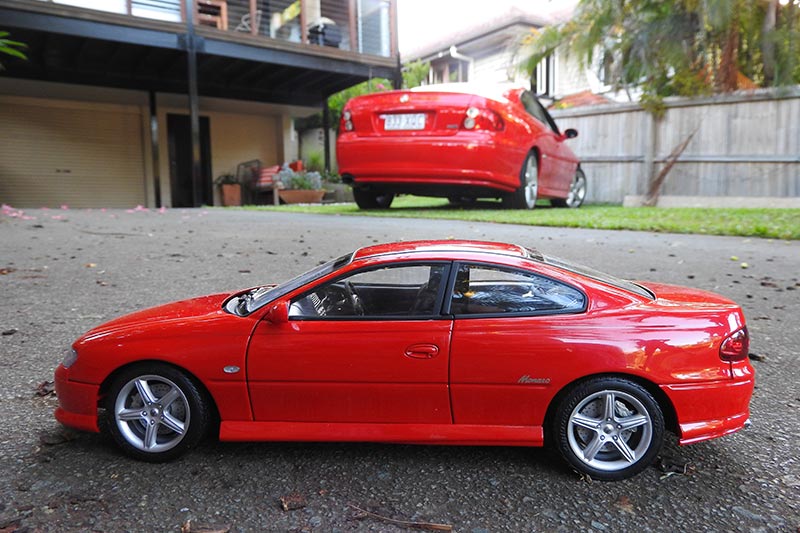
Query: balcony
column 362, row 26
column 278, row 51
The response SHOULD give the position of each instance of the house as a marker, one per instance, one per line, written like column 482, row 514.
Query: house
column 482, row 49
column 126, row 102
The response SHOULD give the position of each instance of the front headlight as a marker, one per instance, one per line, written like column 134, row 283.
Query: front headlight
column 70, row 356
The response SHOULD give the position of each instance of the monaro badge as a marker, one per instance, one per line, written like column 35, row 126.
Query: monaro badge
column 527, row 380
column 404, row 99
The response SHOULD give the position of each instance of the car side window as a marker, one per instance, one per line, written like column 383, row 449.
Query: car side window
column 397, row 291
column 482, row 290
column 537, row 110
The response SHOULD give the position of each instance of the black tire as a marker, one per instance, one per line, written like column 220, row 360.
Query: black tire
column 366, row 199
column 177, row 412
column 577, row 192
column 527, row 193
column 608, row 428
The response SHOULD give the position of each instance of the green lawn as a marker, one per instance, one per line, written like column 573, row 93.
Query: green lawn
column 767, row 223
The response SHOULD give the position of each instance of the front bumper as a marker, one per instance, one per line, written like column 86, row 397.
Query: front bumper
column 710, row 410
column 77, row 402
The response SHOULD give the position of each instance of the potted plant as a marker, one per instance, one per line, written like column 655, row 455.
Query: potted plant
column 301, row 187
column 230, row 190
column 336, row 191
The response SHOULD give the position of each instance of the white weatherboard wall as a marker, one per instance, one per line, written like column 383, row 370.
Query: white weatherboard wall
column 746, row 145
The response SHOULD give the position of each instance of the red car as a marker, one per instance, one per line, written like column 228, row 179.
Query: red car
column 457, row 141
column 430, row 342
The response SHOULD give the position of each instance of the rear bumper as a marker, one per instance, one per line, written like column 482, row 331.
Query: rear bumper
column 480, row 161
column 710, row 410
column 77, row 402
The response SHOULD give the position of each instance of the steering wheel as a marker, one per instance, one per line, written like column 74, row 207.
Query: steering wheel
column 358, row 307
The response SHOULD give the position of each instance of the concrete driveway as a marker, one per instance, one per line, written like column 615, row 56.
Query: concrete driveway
column 65, row 271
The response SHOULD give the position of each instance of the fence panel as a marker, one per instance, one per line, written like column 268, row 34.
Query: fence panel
column 746, row 145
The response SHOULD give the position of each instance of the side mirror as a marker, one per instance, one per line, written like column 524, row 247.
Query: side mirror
column 570, row 133
column 278, row 313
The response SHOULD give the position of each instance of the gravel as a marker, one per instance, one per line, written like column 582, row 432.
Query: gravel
column 65, row 271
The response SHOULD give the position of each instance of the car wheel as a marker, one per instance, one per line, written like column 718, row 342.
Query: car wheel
column 366, row 199
column 155, row 412
column 525, row 196
column 577, row 192
column 608, row 428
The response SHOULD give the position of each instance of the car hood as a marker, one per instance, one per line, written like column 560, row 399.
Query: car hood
column 171, row 314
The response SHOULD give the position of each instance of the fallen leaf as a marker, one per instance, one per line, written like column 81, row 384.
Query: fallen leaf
column 293, row 501
column 188, row 527
column 6, row 271
column 624, row 504
column 45, row 388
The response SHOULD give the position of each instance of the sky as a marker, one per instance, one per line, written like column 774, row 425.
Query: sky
column 424, row 20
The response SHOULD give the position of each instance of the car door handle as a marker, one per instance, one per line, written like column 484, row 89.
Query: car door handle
column 422, row 351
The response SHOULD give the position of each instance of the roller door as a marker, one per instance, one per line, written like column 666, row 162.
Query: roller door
column 62, row 153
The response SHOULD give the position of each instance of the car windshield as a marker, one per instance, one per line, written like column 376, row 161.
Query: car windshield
column 263, row 295
column 599, row 276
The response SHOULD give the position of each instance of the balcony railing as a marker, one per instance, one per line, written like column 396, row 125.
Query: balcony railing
column 363, row 26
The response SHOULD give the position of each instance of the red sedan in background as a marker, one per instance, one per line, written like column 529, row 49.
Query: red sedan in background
column 457, row 141
column 437, row 342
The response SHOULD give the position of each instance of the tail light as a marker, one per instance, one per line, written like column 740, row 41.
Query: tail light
column 482, row 119
column 347, row 121
column 735, row 347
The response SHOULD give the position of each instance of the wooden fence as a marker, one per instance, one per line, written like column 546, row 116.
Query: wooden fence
column 747, row 145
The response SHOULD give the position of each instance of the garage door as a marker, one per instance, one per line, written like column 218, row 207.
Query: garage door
column 81, row 155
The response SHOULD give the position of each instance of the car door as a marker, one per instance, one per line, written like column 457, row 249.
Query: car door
column 557, row 162
column 508, row 332
column 371, row 346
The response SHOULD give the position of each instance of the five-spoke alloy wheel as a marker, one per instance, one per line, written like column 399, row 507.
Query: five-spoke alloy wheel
column 609, row 428
column 577, row 192
column 155, row 412
column 527, row 193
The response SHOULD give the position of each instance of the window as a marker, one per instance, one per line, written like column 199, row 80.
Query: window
column 537, row 110
column 449, row 70
column 481, row 290
column 543, row 79
column 396, row 291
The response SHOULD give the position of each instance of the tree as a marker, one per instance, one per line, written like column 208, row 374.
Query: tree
column 682, row 47
column 413, row 76
column 11, row 48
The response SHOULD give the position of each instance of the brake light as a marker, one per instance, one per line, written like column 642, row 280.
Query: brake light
column 482, row 119
column 735, row 347
column 347, row 121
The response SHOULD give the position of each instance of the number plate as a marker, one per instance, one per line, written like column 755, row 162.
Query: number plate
column 406, row 121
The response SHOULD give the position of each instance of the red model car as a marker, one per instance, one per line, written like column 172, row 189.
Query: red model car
column 457, row 141
column 436, row 342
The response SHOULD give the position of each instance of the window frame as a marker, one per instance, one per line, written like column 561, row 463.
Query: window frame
column 446, row 308
column 435, row 314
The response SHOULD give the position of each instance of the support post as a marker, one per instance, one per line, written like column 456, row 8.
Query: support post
column 154, row 149
column 326, row 135
column 194, row 107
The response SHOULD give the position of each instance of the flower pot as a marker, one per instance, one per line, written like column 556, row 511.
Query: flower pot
column 301, row 196
column 231, row 194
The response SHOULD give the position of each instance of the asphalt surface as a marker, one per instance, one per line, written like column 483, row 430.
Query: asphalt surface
column 65, row 271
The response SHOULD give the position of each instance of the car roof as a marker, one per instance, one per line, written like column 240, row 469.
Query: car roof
column 446, row 246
